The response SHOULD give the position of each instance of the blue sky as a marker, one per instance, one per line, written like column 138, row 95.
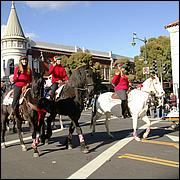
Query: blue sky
column 96, row 25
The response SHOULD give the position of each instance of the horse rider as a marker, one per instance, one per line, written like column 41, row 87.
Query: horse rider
column 121, row 86
column 22, row 78
column 59, row 75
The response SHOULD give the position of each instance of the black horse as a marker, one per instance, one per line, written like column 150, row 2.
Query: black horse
column 26, row 111
column 71, row 103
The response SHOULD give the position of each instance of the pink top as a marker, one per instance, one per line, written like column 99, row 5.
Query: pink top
column 23, row 78
column 120, row 82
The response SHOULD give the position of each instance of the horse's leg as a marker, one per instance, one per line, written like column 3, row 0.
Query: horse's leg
column 146, row 119
column 19, row 121
column 68, row 141
column 14, row 126
column 135, row 118
column 3, row 128
column 84, row 148
column 35, row 137
column 49, row 129
column 108, row 115
column 61, row 123
column 8, row 126
column 35, row 144
column 94, row 118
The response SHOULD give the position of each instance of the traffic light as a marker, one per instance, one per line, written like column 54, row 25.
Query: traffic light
column 165, row 68
column 155, row 68
column 151, row 70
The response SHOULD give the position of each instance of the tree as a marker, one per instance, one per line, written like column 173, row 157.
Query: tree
column 76, row 60
column 157, row 49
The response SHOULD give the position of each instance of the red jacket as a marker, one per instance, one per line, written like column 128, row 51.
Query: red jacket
column 58, row 73
column 120, row 82
column 23, row 78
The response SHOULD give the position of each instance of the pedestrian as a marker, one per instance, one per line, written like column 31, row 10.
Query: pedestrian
column 22, row 79
column 121, row 86
column 59, row 75
column 173, row 101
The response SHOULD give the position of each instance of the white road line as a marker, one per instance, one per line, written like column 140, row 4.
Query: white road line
column 27, row 138
column 174, row 138
column 93, row 165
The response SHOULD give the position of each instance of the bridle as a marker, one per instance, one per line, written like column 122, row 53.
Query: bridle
column 150, row 92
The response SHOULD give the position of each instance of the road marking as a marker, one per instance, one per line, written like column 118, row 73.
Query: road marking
column 161, row 142
column 27, row 138
column 151, row 159
column 174, row 138
column 93, row 165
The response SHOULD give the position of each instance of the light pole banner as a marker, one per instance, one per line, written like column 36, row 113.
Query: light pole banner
column 145, row 70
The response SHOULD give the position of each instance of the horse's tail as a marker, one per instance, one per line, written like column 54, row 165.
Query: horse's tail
column 94, row 109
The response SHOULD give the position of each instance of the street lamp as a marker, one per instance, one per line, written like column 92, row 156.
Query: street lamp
column 145, row 42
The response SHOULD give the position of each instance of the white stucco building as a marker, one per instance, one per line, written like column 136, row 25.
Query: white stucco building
column 173, row 29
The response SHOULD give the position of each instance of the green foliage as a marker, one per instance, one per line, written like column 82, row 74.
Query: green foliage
column 76, row 60
column 157, row 49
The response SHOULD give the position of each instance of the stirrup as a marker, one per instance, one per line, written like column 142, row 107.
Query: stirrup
column 136, row 137
column 145, row 135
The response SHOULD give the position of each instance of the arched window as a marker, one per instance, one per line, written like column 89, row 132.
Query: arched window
column 11, row 66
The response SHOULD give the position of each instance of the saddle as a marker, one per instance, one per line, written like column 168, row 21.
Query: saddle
column 9, row 97
column 115, row 96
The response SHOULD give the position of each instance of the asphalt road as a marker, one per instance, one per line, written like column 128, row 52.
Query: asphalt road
column 122, row 157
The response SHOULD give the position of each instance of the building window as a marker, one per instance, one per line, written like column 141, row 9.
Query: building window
column 20, row 44
column 14, row 44
column 11, row 66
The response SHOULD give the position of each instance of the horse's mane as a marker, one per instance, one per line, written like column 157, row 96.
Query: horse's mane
column 76, row 80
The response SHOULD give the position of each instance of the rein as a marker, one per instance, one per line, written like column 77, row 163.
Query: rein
column 34, row 107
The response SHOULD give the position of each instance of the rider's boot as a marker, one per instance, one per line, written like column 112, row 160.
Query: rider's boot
column 123, row 106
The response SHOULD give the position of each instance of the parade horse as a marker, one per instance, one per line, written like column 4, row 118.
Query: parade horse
column 71, row 103
column 137, row 103
column 27, row 111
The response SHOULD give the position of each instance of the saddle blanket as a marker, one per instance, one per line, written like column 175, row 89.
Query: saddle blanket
column 9, row 98
column 58, row 91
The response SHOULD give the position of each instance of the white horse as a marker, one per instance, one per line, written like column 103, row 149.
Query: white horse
column 137, row 102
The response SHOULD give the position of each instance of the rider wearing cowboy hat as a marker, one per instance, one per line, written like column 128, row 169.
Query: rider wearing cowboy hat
column 58, row 74
column 22, row 77
column 121, row 85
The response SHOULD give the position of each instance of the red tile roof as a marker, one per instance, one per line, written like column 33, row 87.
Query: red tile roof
column 175, row 23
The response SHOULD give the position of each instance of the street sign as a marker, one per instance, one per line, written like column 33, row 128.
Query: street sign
column 145, row 70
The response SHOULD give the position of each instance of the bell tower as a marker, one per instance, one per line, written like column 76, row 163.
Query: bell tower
column 13, row 44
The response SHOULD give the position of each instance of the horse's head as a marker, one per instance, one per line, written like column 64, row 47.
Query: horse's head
column 83, row 78
column 37, row 88
column 154, row 86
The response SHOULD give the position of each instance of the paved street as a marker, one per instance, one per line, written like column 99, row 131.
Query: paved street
column 157, row 157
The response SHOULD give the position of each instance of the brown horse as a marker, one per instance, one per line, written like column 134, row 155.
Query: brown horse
column 26, row 111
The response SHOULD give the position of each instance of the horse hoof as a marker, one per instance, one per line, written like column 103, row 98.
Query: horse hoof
column 24, row 148
column 111, row 136
column 145, row 135
column 46, row 142
column 35, row 155
column 136, row 137
column 70, row 146
column 85, row 150
column 3, row 146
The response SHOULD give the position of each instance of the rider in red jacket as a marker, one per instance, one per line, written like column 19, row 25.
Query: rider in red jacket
column 22, row 77
column 58, row 75
column 121, row 85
